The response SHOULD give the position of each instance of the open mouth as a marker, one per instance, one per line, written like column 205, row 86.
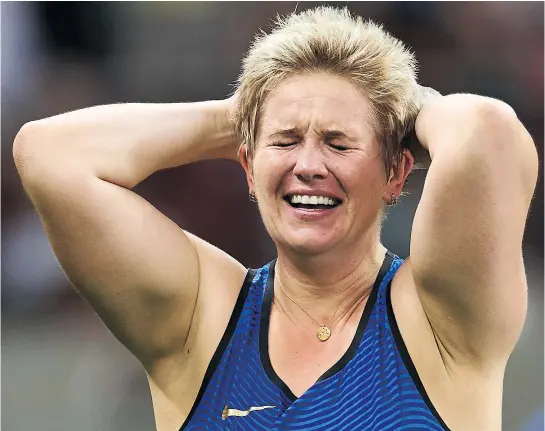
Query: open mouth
column 312, row 202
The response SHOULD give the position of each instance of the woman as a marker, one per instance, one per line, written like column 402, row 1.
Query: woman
column 337, row 333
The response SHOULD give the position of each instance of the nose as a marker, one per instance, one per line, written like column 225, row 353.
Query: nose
column 310, row 163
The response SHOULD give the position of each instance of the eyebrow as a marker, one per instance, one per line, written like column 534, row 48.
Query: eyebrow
column 332, row 134
column 325, row 134
column 285, row 133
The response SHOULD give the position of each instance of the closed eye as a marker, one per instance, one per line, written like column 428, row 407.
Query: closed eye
column 284, row 144
column 339, row 147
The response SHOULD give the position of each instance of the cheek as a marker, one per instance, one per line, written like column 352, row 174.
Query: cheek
column 362, row 176
column 268, row 172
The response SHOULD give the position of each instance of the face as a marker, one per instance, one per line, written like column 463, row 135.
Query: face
column 317, row 171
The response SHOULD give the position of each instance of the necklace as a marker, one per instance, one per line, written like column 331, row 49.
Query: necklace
column 324, row 332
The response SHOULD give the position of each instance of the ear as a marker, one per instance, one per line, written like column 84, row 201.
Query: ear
column 246, row 165
column 398, row 176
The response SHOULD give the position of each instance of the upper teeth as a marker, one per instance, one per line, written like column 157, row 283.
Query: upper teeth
column 312, row 200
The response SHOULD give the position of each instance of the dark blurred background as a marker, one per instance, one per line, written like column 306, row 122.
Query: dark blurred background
column 61, row 368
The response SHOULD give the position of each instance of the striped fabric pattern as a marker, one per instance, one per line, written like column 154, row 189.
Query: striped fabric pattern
column 376, row 390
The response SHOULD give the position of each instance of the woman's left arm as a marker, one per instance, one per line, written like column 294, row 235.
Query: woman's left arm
column 466, row 243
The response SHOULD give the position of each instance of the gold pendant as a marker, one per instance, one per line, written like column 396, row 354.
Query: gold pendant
column 324, row 333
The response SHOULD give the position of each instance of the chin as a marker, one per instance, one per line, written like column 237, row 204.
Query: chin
column 308, row 244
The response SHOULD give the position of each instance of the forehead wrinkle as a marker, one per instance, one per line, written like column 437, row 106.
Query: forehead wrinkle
column 333, row 133
column 322, row 111
column 324, row 129
column 290, row 132
column 302, row 120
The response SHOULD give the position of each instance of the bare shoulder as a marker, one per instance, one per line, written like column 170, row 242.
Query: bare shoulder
column 451, row 386
column 176, row 380
column 220, row 280
column 415, row 334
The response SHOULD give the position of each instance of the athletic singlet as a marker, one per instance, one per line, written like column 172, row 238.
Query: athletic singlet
column 373, row 387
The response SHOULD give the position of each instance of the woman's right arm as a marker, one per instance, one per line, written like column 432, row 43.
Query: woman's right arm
column 137, row 269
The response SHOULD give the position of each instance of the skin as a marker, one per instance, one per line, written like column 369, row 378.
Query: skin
column 439, row 293
column 297, row 149
column 459, row 299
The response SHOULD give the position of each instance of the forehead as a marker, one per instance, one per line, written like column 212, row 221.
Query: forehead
column 319, row 101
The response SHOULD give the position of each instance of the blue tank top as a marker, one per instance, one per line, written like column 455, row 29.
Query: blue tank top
column 373, row 387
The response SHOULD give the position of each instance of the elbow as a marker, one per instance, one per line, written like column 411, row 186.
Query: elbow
column 506, row 141
column 497, row 123
column 33, row 155
column 485, row 134
column 479, row 116
column 21, row 142
column 493, row 119
column 25, row 146
column 490, row 108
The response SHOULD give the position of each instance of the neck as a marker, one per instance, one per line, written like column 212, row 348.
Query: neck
column 321, row 283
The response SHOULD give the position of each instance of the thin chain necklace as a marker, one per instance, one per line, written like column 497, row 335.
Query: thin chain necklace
column 324, row 332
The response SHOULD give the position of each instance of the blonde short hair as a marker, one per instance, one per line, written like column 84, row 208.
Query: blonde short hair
column 332, row 40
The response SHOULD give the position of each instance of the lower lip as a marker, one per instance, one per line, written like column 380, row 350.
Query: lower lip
column 312, row 215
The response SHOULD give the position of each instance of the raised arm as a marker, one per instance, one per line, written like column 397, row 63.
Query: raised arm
column 137, row 269
column 466, row 244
